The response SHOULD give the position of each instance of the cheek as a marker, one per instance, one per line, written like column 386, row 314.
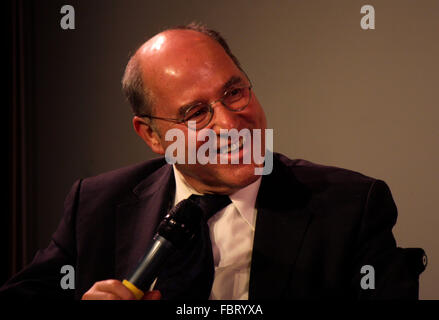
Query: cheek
column 259, row 111
column 258, row 118
column 175, row 133
column 262, row 118
column 255, row 113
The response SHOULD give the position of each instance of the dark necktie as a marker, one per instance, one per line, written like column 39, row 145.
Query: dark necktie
column 188, row 274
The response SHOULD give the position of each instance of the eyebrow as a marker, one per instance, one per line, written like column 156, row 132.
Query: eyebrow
column 229, row 83
column 232, row 81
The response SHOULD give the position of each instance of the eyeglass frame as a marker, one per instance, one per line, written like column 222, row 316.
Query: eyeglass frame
column 210, row 106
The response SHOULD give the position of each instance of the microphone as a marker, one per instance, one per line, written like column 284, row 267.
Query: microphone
column 177, row 228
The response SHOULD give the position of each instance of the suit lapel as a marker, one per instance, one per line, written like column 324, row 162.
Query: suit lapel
column 281, row 224
column 282, row 220
column 138, row 217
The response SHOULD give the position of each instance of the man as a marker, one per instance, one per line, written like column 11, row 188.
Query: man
column 303, row 231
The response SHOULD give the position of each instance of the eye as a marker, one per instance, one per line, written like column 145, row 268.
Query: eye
column 233, row 95
column 196, row 113
column 234, row 92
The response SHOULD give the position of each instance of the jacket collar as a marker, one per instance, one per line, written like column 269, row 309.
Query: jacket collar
column 282, row 220
column 138, row 217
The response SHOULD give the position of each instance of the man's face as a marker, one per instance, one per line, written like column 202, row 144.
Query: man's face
column 182, row 68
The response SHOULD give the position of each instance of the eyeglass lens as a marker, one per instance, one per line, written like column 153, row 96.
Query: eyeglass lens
column 236, row 100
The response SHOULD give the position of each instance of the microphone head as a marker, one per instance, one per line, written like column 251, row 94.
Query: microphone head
column 181, row 223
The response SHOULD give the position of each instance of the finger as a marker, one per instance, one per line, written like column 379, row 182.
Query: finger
column 115, row 287
column 99, row 295
column 152, row 295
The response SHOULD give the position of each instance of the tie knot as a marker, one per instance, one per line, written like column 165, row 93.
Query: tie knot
column 211, row 203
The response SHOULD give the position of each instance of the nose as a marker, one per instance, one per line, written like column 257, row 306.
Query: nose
column 224, row 118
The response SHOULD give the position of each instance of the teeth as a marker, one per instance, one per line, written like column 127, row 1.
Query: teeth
column 238, row 144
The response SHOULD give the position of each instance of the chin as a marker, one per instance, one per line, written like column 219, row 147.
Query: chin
column 219, row 178
column 236, row 176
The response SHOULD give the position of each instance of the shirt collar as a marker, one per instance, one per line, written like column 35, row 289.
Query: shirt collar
column 244, row 199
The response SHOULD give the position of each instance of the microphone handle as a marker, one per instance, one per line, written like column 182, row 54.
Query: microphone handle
column 149, row 267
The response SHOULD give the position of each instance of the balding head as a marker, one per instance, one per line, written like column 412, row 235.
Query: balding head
column 134, row 82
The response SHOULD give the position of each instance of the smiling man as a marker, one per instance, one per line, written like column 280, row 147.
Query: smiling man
column 185, row 71
column 302, row 231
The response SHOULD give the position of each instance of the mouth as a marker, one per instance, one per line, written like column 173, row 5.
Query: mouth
column 233, row 146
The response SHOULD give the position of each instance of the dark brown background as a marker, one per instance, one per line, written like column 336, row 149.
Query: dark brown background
column 335, row 94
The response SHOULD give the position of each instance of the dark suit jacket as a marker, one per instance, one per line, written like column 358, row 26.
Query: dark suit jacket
column 316, row 227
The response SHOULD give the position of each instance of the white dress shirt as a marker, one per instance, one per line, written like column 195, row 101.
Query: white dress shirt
column 231, row 232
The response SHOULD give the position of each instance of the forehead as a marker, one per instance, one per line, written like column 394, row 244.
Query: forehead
column 181, row 65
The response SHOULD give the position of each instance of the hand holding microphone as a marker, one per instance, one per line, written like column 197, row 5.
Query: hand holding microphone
column 113, row 289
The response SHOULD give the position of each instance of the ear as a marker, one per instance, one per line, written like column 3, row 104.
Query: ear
column 151, row 138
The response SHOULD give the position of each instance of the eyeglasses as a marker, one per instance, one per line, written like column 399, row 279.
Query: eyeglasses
column 235, row 99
